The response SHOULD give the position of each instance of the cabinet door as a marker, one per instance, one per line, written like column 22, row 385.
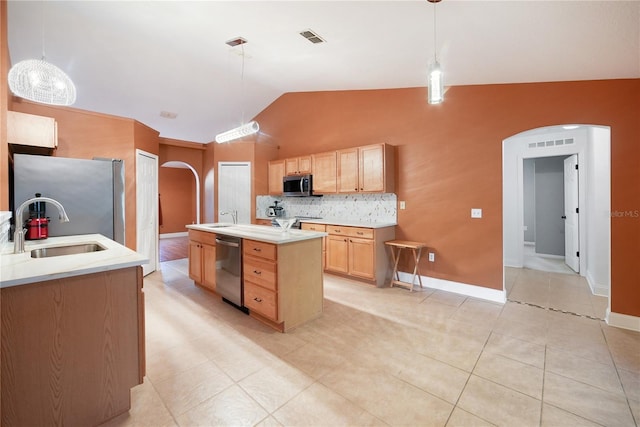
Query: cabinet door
column 362, row 258
column 371, row 168
column 209, row 266
column 348, row 171
column 337, row 254
column 195, row 261
column 325, row 172
column 276, row 172
column 304, row 164
column 291, row 166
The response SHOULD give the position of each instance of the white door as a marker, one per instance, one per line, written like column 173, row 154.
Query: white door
column 571, row 216
column 234, row 192
column 147, row 209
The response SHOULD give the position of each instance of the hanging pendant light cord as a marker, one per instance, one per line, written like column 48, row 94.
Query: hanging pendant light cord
column 242, row 85
column 42, row 16
column 435, row 39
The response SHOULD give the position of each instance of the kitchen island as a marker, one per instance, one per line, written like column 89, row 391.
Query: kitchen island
column 281, row 271
column 72, row 331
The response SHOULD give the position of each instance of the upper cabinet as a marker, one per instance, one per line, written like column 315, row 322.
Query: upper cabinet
column 276, row 172
column 368, row 169
column 297, row 165
column 31, row 130
column 325, row 173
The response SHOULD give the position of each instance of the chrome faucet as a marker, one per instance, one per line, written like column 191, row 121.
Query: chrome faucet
column 234, row 215
column 18, row 236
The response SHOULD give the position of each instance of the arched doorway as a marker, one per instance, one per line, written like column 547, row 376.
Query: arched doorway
column 591, row 145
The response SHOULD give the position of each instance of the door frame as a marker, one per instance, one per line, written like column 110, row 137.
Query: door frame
column 153, row 264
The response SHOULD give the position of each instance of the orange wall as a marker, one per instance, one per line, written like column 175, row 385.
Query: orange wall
column 449, row 159
column 177, row 199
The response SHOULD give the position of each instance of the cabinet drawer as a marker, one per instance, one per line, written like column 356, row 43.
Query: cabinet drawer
column 314, row 227
column 260, row 300
column 260, row 271
column 202, row 237
column 363, row 233
column 259, row 249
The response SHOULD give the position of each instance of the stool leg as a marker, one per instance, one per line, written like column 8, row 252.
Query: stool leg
column 417, row 260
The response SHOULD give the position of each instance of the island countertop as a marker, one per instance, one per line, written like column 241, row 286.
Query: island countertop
column 261, row 233
column 21, row 269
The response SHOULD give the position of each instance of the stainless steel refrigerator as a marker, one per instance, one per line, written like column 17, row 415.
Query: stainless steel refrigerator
column 91, row 191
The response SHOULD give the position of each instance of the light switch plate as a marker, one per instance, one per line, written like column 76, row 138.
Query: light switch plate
column 476, row 213
column 403, row 205
column 432, row 257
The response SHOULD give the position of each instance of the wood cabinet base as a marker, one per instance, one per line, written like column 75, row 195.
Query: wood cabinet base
column 72, row 348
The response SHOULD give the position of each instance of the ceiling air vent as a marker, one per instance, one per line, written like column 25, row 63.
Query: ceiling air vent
column 235, row 42
column 312, row 37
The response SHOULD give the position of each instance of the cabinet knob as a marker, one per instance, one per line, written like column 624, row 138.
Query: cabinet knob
column 359, row 233
column 257, row 272
column 256, row 299
column 257, row 249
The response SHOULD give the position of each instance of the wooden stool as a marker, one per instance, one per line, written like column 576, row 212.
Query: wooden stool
column 396, row 247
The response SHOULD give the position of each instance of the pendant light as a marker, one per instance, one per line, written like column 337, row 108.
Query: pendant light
column 435, row 79
column 40, row 81
column 245, row 129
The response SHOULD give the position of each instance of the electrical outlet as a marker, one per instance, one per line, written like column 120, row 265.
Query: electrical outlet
column 403, row 205
column 476, row 213
column 432, row 257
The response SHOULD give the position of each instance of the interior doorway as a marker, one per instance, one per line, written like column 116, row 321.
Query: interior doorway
column 147, row 209
column 591, row 145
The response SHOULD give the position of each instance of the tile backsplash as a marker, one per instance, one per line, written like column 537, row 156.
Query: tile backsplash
column 4, row 227
column 348, row 207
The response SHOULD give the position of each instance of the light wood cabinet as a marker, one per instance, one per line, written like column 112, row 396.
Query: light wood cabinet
column 297, row 165
column 367, row 169
column 31, row 130
column 260, row 221
column 72, row 348
column 283, row 283
column 324, row 168
column 358, row 252
column 276, row 173
column 202, row 258
column 321, row 228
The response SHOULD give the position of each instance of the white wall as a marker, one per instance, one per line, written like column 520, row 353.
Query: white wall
column 598, row 210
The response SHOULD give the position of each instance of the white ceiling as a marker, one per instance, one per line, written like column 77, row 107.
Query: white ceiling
column 136, row 59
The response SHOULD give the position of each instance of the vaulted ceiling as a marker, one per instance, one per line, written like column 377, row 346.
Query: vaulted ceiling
column 137, row 59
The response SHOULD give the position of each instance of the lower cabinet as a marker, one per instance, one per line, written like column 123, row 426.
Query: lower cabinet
column 202, row 258
column 72, row 348
column 358, row 252
column 283, row 284
column 322, row 228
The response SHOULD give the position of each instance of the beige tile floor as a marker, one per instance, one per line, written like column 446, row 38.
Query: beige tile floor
column 380, row 357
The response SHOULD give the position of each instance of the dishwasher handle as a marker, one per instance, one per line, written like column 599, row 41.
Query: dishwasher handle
column 227, row 243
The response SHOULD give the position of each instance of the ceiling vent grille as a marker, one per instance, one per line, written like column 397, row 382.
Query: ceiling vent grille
column 235, row 42
column 552, row 143
column 312, row 36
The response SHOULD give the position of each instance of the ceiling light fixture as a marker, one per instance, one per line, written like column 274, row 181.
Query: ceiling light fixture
column 435, row 78
column 40, row 81
column 244, row 129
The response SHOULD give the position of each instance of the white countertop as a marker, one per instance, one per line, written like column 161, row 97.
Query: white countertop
column 338, row 221
column 21, row 269
column 262, row 233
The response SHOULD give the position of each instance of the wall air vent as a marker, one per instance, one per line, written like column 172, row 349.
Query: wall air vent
column 552, row 143
column 235, row 42
column 312, row 36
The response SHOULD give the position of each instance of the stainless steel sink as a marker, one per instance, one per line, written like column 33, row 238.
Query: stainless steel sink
column 66, row 250
column 218, row 225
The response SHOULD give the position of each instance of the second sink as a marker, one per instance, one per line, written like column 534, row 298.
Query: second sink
column 66, row 250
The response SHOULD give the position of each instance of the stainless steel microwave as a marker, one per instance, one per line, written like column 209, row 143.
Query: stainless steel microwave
column 297, row 186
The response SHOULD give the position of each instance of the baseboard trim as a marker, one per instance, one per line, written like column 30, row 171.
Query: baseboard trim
column 475, row 291
column 171, row 235
column 596, row 289
column 623, row 321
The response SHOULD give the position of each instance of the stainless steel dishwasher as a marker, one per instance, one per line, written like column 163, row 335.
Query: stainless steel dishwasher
column 229, row 270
